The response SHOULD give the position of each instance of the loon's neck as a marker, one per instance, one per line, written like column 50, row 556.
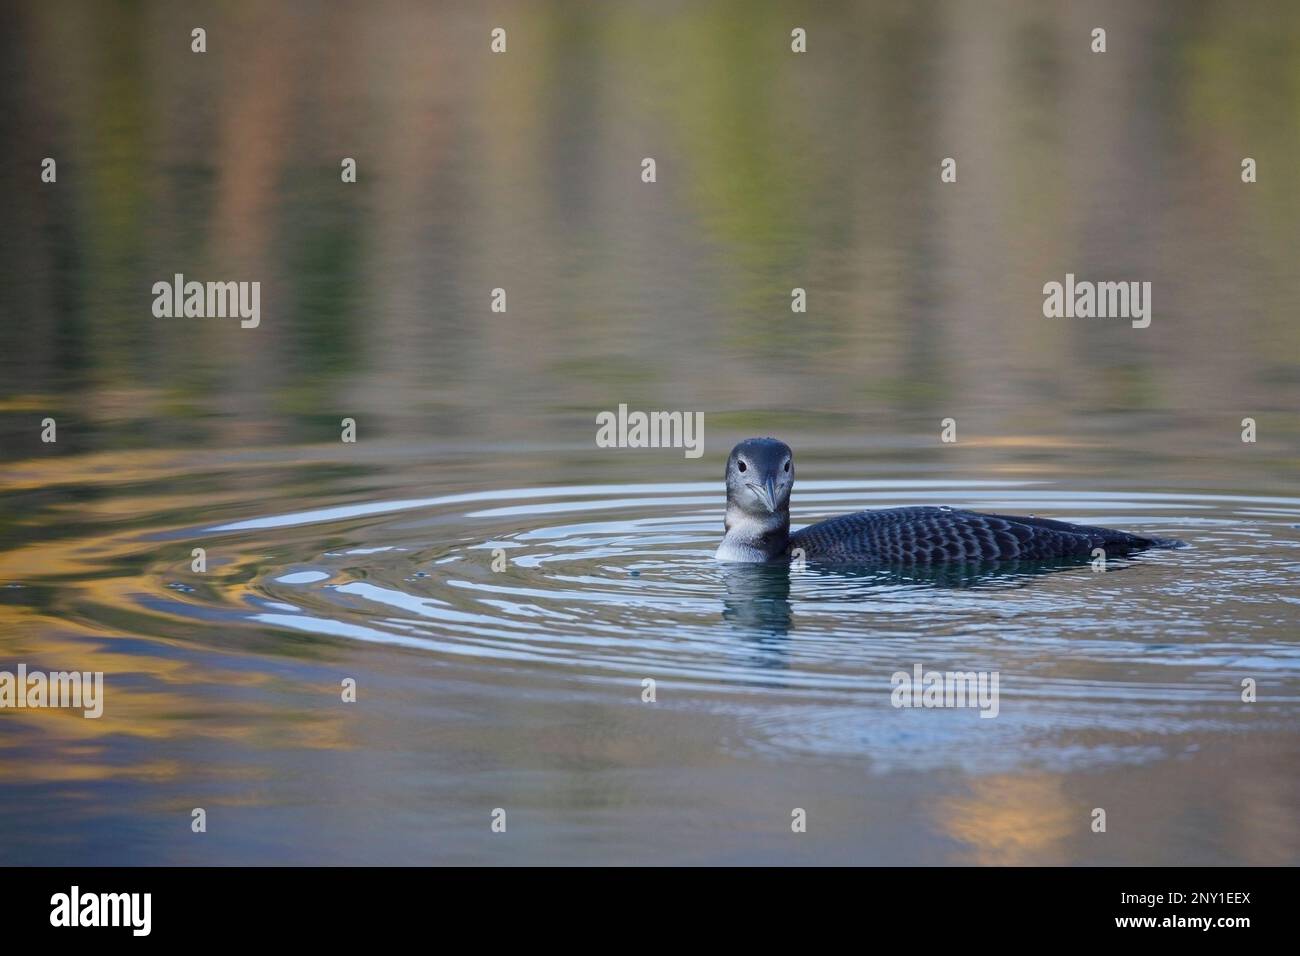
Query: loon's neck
column 753, row 537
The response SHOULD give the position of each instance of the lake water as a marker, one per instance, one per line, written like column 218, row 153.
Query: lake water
column 496, row 585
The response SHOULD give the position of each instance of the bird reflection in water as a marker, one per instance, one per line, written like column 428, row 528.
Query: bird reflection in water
column 756, row 597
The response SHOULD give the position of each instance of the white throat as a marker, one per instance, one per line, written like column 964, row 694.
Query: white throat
column 744, row 538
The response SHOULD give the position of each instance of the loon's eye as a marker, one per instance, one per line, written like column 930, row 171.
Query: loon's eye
column 786, row 467
column 741, row 464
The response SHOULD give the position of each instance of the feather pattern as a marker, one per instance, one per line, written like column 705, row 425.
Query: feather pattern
column 928, row 535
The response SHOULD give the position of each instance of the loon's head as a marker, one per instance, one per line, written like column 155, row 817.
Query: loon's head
column 759, row 476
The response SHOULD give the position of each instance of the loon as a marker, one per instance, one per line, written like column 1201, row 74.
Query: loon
column 760, row 474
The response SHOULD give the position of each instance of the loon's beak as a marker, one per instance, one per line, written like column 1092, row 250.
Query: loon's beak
column 766, row 493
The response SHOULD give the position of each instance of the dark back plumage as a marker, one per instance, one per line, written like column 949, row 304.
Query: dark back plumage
column 927, row 535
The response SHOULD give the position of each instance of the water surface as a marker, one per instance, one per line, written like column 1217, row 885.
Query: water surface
column 522, row 688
